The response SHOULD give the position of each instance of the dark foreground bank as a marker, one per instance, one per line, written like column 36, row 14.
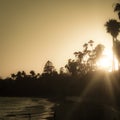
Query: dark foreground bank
column 77, row 109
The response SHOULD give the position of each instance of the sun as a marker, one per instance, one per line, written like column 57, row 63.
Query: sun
column 106, row 61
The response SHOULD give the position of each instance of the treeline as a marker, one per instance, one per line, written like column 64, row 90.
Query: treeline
column 84, row 62
column 96, row 84
column 79, row 77
column 71, row 79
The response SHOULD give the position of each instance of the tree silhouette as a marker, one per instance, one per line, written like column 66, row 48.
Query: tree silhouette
column 62, row 71
column 81, row 62
column 24, row 75
column 117, row 43
column 85, row 48
column 113, row 27
column 86, row 60
column 19, row 75
column 117, row 51
column 79, row 55
column 49, row 68
column 32, row 72
column 99, row 50
column 72, row 67
column 38, row 75
column 94, row 55
column 13, row 76
column 91, row 43
column 117, row 9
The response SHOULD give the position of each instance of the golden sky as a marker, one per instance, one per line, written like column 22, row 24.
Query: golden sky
column 34, row 31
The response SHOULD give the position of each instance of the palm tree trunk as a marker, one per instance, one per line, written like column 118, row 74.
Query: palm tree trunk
column 113, row 59
column 113, row 64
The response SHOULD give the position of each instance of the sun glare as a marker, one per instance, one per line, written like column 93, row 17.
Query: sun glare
column 106, row 61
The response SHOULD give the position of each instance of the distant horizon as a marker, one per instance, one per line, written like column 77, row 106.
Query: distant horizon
column 33, row 32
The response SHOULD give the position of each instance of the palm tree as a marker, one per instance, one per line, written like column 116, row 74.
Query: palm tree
column 117, row 51
column 113, row 27
column 117, row 9
column 117, row 45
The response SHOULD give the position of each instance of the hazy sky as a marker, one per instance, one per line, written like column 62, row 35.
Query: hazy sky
column 34, row 31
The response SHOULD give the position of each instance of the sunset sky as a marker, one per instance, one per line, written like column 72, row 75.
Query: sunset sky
column 34, row 31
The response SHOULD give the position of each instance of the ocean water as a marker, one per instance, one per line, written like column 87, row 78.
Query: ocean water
column 17, row 108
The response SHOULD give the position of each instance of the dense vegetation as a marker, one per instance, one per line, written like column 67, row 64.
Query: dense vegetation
column 52, row 83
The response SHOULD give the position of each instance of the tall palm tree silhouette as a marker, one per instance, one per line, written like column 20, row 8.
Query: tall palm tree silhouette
column 113, row 27
column 117, row 48
column 117, row 9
